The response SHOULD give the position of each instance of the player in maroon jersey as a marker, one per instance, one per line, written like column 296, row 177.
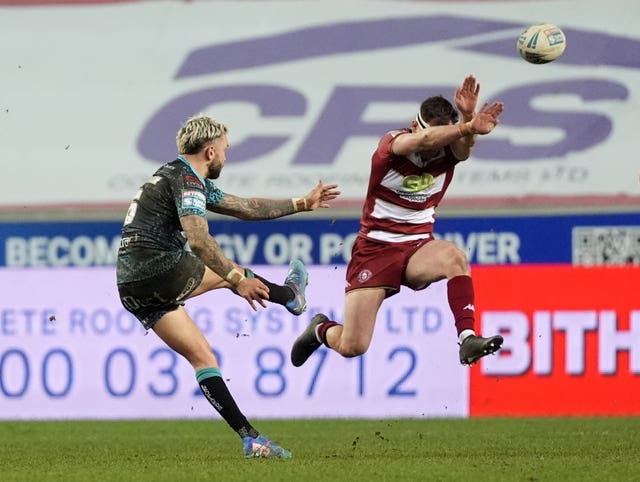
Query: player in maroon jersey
column 410, row 172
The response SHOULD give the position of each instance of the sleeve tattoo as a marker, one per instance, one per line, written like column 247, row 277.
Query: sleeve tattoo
column 253, row 208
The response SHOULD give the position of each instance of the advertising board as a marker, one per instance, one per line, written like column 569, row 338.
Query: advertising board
column 69, row 350
column 586, row 239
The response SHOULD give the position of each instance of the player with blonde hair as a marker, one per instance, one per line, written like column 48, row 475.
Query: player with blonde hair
column 156, row 273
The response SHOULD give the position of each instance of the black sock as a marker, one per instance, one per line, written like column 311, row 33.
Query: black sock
column 280, row 294
column 216, row 391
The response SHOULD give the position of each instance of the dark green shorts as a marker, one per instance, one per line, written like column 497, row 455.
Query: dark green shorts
column 150, row 299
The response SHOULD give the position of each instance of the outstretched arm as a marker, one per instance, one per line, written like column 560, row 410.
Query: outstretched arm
column 261, row 208
column 436, row 137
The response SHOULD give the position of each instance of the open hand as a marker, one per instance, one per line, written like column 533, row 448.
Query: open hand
column 321, row 195
column 487, row 118
column 253, row 290
column 466, row 97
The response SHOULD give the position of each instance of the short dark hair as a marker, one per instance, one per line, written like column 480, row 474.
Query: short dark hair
column 438, row 109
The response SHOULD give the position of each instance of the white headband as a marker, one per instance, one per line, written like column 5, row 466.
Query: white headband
column 421, row 121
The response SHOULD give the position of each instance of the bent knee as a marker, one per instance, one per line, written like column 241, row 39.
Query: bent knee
column 353, row 349
column 458, row 260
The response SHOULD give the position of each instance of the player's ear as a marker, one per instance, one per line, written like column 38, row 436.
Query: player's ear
column 414, row 126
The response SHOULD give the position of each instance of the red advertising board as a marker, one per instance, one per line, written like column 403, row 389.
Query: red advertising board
column 572, row 341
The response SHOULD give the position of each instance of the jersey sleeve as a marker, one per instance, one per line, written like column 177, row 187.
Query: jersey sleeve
column 214, row 194
column 383, row 154
column 189, row 197
column 383, row 150
column 384, row 146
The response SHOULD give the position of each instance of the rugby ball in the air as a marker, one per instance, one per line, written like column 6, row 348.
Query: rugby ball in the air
column 541, row 43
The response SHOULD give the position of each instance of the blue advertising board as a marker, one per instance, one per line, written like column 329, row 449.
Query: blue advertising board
column 577, row 239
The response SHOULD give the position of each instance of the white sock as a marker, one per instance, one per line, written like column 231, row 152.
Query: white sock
column 464, row 334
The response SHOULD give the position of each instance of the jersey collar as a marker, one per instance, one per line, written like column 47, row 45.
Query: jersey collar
column 193, row 170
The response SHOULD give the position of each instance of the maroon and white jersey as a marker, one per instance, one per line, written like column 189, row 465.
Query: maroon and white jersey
column 404, row 192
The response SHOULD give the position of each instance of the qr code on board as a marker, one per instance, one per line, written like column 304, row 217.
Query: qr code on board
column 606, row 245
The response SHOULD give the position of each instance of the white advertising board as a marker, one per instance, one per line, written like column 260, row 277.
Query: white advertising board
column 69, row 350
column 93, row 95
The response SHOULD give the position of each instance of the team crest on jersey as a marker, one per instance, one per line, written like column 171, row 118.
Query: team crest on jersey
column 364, row 275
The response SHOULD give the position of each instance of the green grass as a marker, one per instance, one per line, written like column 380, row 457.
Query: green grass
column 485, row 449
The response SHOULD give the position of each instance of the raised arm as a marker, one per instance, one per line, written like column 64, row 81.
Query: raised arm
column 466, row 100
column 436, row 137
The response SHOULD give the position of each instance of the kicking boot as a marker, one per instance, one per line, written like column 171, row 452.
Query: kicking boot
column 297, row 279
column 262, row 447
column 475, row 347
column 307, row 342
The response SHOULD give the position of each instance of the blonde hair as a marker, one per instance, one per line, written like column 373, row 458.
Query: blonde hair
column 197, row 132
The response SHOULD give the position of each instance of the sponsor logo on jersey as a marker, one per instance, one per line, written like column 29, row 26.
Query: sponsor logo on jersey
column 194, row 200
column 192, row 181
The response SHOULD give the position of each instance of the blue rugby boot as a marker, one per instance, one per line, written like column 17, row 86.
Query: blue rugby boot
column 262, row 447
column 297, row 279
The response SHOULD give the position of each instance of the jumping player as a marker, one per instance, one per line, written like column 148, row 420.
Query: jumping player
column 410, row 172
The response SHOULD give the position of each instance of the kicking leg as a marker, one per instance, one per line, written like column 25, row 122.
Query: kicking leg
column 291, row 294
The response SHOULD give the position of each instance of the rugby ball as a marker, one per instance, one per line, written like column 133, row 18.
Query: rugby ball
column 541, row 43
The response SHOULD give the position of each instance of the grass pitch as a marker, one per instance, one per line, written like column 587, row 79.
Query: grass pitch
column 487, row 449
